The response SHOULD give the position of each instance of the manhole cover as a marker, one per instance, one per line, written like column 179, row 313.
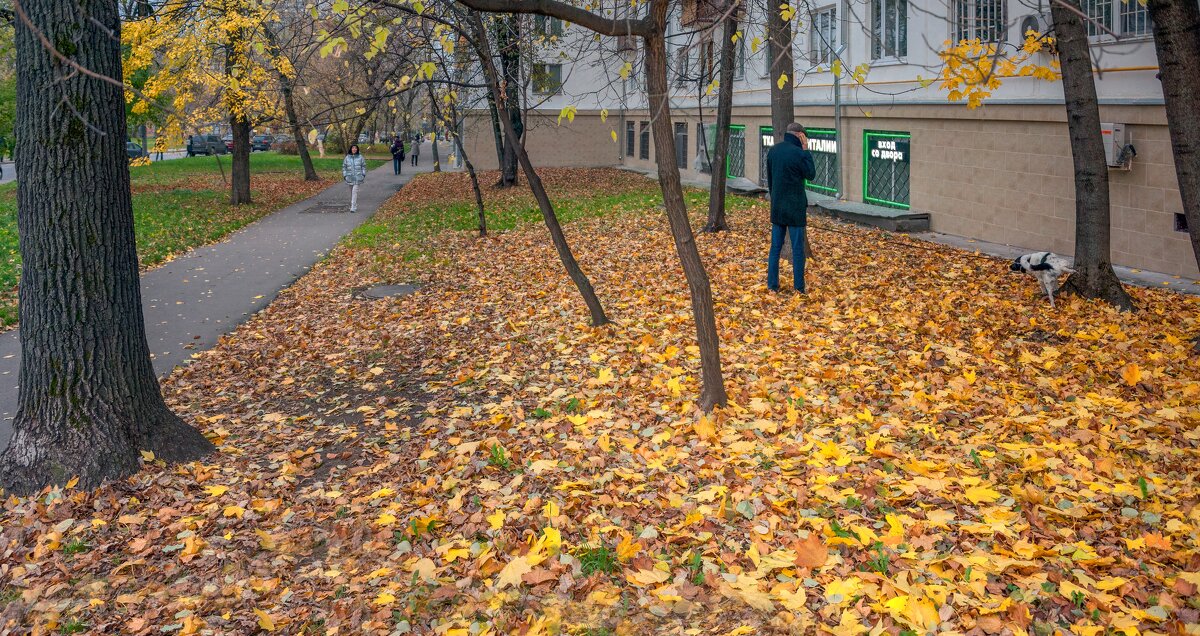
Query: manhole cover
column 326, row 208
column 389, row 291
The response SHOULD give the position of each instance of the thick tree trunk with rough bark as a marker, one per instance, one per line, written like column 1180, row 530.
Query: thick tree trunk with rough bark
column 535, row 182
column 1094, row 276
column 716, row 191
column 1177, row 40
column 712, row 393
column 779, row 47
column 508, row 46
column 88, row 400
column 239, row 191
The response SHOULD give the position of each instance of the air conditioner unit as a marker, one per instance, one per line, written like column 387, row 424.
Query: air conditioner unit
column 1039, row 23
column 1118, row 147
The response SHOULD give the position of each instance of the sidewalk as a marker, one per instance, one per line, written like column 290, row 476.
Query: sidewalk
column 190, row 302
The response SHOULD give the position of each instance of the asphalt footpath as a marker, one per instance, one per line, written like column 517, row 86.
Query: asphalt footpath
column 190, row 302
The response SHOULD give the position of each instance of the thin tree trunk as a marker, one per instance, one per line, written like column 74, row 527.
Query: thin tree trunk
column 462, row 152
column 1177, row 40
column 289, row 102
column 508, row 44
column 1094, row 276
column 437, row 163
column 712, row 393
column 496, row 131
column 779, row 47
column 535, row 183
column 88, row 399
column 716, row 192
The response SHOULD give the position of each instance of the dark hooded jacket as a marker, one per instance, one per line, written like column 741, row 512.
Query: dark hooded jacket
column 788, row 166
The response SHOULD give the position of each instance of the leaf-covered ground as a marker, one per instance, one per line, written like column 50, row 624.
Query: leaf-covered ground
column 919, row 445
column 178, row 205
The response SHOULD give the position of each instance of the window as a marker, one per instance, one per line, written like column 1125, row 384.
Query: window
column 889, row 29
column 630, row 139
column 822, row 40
column 982, row 19
column 645, row 150
column 1132, row 17
column 681, row 145
column 682, row 58
column 547, row 27
column 739, row 58
column 705, row 138
column 735, row 156
column 547, row 79
column 886, row 168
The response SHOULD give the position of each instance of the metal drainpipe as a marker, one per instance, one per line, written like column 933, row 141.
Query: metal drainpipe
column 837, row 103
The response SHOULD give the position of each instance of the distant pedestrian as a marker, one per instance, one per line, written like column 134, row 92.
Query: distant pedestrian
column 397, row 154
column 789, row 164
column 416, row 151
column 354, row 171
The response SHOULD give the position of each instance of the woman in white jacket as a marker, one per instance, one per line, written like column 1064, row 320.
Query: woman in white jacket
column 354, row 171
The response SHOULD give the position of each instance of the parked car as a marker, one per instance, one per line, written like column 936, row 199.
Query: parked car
column 205, row 145
column 261, row 143
column 135, row 151
column 282, row 139
column 228, row 139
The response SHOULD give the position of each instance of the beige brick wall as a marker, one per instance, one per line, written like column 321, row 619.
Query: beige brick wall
column 1002, row 173
column 585, row 142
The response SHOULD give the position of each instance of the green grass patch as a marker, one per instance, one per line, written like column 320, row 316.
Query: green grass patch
column 177, row 205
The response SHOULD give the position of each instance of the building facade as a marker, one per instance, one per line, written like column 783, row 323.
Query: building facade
column 1000, row 173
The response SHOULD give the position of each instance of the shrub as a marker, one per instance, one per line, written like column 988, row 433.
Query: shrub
column 286, row 148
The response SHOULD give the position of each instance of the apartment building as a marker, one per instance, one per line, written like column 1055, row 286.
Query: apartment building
column 1000, row 173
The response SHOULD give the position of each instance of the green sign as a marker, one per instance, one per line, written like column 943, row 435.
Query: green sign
column 886, row 159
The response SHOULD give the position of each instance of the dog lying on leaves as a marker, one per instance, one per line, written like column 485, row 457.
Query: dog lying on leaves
column 1044, row 266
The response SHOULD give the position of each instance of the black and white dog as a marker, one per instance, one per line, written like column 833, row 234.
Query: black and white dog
column 1044, row 266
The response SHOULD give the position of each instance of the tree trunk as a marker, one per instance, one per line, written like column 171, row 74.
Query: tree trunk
column 88, row 399
column 716, row 191
column 289, row 103
column 712, row 392
column 437, row 162
column 452, row 125
column 508, row 44
column 497, row 133
column 239, row 191
column 535, row 183
column 779, row 47
column 1177, row 41
column 1094, row 276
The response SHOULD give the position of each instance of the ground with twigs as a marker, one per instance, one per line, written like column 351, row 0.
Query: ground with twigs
column 920, row 444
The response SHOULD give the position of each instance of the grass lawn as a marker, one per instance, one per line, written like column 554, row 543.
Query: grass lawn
column 178, row 205
column 918, row 445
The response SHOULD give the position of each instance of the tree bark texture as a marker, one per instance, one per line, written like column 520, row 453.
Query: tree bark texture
column 88, row 397
column 508, row 45
column 716, row 192
column 712, row 392
column 289, row 103
column 239, row 191
column 1177, row 41
column 1094, row 276
column 535, row 182
column 452, row 126
column 779, row 47
column 437, row 162
column 497, row 133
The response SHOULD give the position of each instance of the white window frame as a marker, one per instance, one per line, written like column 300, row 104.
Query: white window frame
column 546, row 69
column 880, row 28
column 1115, row 12
column 976, row 19
column 822, row 47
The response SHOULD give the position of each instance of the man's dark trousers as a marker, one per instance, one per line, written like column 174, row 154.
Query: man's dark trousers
column 796, row 234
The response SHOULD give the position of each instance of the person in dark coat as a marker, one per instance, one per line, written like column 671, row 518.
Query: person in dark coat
column 789, row 165
column 397, row 154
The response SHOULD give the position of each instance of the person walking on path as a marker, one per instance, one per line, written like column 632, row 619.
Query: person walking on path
column 354, row 171
column 397, row 154
column 416, row 151
column 789, row 164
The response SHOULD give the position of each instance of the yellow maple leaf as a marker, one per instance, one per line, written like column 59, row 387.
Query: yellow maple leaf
column 1131, row 374
column 705, row 428
column 385, row 598
column 605, row 376
column 264, row 620
column 216, row 491
column 982, row 494
column 496, row 520
column 512, row 573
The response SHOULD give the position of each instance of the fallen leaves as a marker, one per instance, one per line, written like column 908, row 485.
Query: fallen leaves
column 914, row 445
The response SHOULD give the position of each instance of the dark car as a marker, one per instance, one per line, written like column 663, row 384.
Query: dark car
column 205, row 145
column 261, row 143
column 135, row 150
column 228, row 139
